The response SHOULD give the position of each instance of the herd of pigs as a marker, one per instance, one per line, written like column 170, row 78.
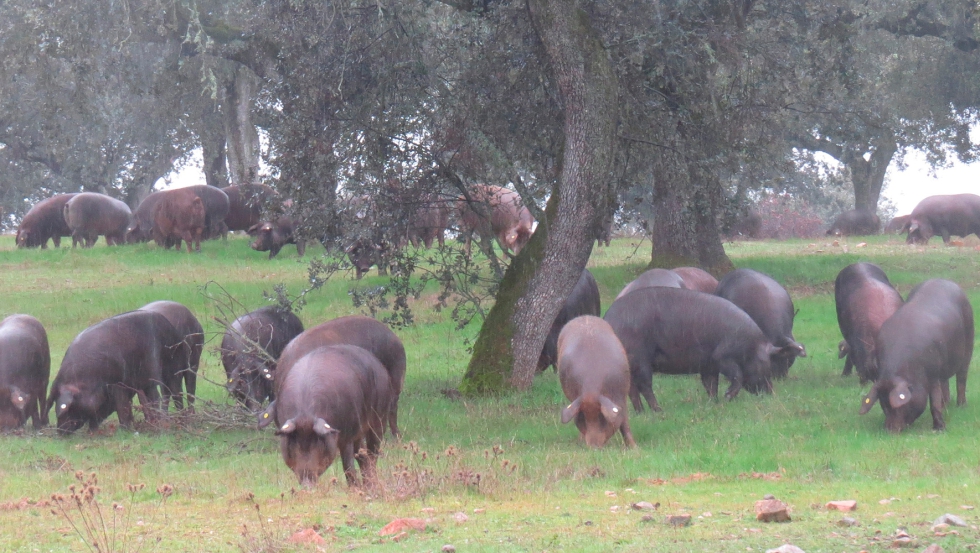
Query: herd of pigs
column 333, row 390
column 201, row 212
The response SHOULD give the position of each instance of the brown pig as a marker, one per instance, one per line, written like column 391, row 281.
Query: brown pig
column 332, row 402
column 595, row 375
column 25, row 363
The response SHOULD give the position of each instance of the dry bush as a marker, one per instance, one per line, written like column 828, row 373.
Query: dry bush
column 450, row 471
column 785, row 217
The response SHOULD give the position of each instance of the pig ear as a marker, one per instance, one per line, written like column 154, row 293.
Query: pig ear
column 19, row 398
column 571, row 411
column 321, row 427
column 900, row 395
column 65, row 399
column 266, row 416
column 869, row 400
column 609, row 409
column 798, row 348
column 287, row 427
column 914, row 226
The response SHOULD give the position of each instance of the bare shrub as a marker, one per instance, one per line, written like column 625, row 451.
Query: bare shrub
column 786, row 217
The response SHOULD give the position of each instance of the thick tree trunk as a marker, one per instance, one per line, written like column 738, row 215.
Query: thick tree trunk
column 212, row 134
column 241, row 137
column 685, row 228
column 868, row 175
column 540, row 278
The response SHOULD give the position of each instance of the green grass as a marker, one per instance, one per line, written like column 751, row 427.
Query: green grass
column 805, row 444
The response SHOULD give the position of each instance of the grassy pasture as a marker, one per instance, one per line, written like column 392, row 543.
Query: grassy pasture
column 520, row 477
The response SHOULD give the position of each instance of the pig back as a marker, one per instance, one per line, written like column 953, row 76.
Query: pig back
column 591, row 360
column 933, row 331
column 342, row 384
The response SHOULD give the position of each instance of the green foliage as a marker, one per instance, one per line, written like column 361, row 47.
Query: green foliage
column 805, row 444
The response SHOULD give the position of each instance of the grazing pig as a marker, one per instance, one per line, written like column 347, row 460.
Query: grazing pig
column 897, row 224
column 770, row 306
column 429, row 223
column 855, row 222
column 216, row 207
column 954, row 215
column 46, row 220
column 249, row 351
column 498, row 212
column 676, row 331
column 89, row 214
column 272, row 236
column 245, row 205
column 844, row 352
column 179, row 216
column 332, row 401
column 924, row 344
column 25, row 362
column 653, row 277
column 364, row 253
column 583, row 300
column 110, row 361
column 865, row 299
column 697, row 279
column 595, row 376
column 355, row 330
column 186, row 325
column 141, row 225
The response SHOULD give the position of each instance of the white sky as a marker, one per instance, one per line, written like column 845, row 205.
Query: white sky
column 904, row 188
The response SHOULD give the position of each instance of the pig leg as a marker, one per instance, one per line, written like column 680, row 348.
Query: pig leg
column 936, row 405
column 301, row 247
column 644, row 387
column 945, row 387
column 733, row 373
column 961, row 388
column 347, row 460
column 124, row 405
column 41, row 411
column 624, row 429
column 393, row 419
column 710, row 382
column 848, row 365
column 635, row 397
column 369, row 461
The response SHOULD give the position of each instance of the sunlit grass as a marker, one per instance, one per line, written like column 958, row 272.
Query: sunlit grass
column 805, row 444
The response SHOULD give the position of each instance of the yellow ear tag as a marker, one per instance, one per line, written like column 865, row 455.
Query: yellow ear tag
column 63, row 406
column 901, row 396
column 230, row 380
column 265, row 415
column 867, row 400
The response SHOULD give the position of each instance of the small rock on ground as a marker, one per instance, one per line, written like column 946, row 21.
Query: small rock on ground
column 768, row 496
column 645, row 506
column 786, row 548
column 843, row 505
column 460, row 517
column 949, row 519
column 448, row 548
column 771, row 510
column 400, row 524
column 934, row 548
column 307, row 536
column 847, row 521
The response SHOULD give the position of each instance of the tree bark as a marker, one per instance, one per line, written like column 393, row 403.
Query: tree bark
column 685, row 227
column 868, row 175
column 241, row 137
column 212, row 134
column 539, row 279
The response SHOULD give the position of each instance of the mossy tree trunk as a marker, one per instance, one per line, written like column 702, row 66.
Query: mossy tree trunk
column 537, row 282
column 685, row 225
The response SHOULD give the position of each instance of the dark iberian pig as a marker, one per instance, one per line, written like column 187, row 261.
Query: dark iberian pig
column 865, row 299
column 653, row 277
column 355, row 330
column 924, row 344
column 90, row 214
column 186, row 325
column 855, row 222
column 246, row 204
column 250, row 349
column 952, row 215
column 595, row 376
column 770, row 306
column 25, row 363
column 676, row 331
column 330, row 403
column 109, row 362
column 583, row 300
column 271, row 236
column 697, row 279
column 44, row 221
